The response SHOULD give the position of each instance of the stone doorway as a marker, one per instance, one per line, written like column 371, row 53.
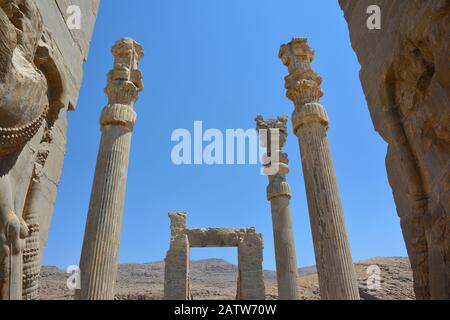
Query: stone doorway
column 177, row 279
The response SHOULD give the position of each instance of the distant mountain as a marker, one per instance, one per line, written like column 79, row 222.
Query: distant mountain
column 216, row 279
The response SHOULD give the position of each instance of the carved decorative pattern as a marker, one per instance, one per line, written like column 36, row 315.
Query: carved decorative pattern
column 118, row 114
column 12, row 139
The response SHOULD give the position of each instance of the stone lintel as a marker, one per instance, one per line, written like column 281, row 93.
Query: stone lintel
column 216, row 237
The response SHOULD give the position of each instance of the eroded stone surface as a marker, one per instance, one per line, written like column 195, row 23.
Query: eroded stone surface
column 406, row 78
column 99, row 256
column 337, row 277
column 177, row 283
column 36, row 90
column 273, row 134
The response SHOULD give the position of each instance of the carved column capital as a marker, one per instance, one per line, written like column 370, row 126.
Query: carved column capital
column 127, row 55
column 302, row 83
column 118, row 115
column 280, row 124
column 124, row 84
column 278, row 187
column 273, row 134
column 121, row 92
column 309, row 113
column 275, row 158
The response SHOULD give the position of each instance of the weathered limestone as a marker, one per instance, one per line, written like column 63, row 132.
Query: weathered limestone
column 177, row 284
column 36, row 91
column 250, row 284
column 98, row 264
column 273, row 134
column 406, row 79
column 31, row 252
column 215, row 237
column 337, row 277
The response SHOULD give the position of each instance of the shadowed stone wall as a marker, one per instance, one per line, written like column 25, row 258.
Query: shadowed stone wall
column 40, row 76
column 405, row 74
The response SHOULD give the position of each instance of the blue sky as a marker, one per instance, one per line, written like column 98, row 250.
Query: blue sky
column 217, row 61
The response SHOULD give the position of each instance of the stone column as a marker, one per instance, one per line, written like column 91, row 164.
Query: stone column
column 176, row 270
column 273, row 134
column 250, row 267
column 337, row 278
column 98, row 265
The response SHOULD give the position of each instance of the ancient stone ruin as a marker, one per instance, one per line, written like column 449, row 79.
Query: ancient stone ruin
column 406, row 78
column 337, row 277
column 177, row 284
column 273, row 137
column 99, row 256
column 40, row 76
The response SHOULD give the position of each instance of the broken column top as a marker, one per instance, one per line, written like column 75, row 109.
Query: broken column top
column 127, row 53
column 279, row 123
column 125, row 75
column 298, row 47
column 273, row 134
column 302, row 83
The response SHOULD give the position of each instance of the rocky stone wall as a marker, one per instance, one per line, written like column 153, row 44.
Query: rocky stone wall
column 73, row 48
column 405, row 74
column 40, row 77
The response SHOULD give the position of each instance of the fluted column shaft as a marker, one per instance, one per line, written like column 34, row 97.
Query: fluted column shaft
column 99, row 258
column 332, row 249
column 101, row 246
column 337, row 278
column 279, row 195
column 273, row 133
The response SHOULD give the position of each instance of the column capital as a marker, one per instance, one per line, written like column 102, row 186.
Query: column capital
column 125, row 79
column 278, row 187
column 118, row 115
column 302, row 83
column 275, row 158
column 279, row 123
column 309, row 113
column 274, row 143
